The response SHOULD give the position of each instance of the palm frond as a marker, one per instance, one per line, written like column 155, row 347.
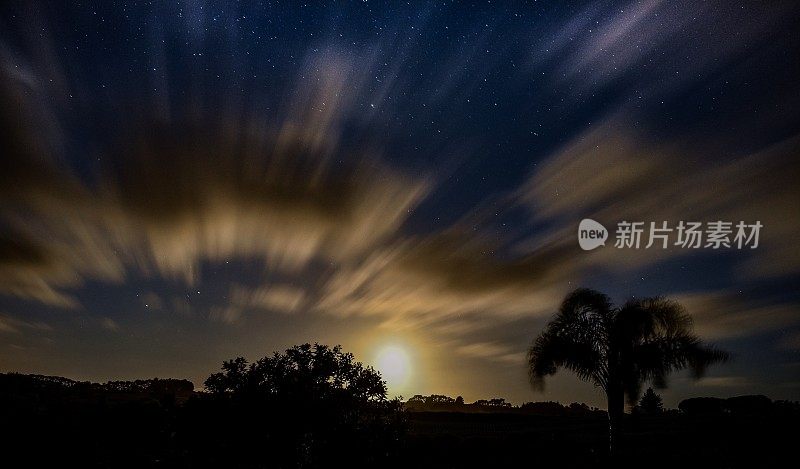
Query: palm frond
column 576, row 339
column 655, row 337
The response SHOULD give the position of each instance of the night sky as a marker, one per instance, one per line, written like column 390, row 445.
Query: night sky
column 186, row 182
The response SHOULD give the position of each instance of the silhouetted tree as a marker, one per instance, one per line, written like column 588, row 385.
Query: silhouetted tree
column 650, row 403
column 308, row 407
column 439, row 399
column 417, row 402
column 543, row 408
column 499, row 402
column 618, row 349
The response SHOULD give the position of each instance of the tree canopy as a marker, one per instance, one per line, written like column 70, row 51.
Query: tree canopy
column 310, row 406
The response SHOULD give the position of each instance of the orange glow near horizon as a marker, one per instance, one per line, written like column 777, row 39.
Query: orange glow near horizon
column 394, row 363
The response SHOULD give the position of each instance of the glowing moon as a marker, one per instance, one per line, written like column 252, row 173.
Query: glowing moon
column 395, row 366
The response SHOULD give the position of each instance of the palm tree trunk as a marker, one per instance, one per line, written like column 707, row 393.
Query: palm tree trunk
column 616, row 409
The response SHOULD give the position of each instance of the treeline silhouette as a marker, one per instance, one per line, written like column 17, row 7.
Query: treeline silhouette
column 441, row 403
column 739, row 405
column 20, row 388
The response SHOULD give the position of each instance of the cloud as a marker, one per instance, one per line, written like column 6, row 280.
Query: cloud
column 612, row 173
column 17, row 326
column 436, row 280
column 181, row 193
column 791, row 341
column 193, row 192
column 213, row 201
column 274, row 297
column 229, row 314
column 492, row 351
column 724, row 381
column 109, row 324
column 726, row 315
column 152, row 300
column 601, row 46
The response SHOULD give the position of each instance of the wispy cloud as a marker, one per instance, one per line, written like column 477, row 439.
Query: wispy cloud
column 724, row 382
column 492, row 351
column 725, row 315
column 273, row 297
column 109, row 325
column 14, row 325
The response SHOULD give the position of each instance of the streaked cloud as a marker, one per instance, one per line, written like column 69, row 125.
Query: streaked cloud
column 647, row 46
column 611, row 174
column 109, row 325
column 492, row 351
column 183, row 193
column 791, row 341
column 14, row 325
column 726, row 315
column 273, row 297
column 724, row 381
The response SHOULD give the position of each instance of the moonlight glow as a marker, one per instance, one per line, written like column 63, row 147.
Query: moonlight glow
column 395, row 366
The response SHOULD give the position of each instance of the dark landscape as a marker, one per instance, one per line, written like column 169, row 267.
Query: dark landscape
column 164, row 423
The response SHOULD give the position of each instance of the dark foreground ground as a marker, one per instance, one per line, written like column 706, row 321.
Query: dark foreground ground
column 53, row 422
column 670, row 440
column 459, row 440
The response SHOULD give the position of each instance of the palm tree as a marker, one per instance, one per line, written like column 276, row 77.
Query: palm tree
column 619, row 349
